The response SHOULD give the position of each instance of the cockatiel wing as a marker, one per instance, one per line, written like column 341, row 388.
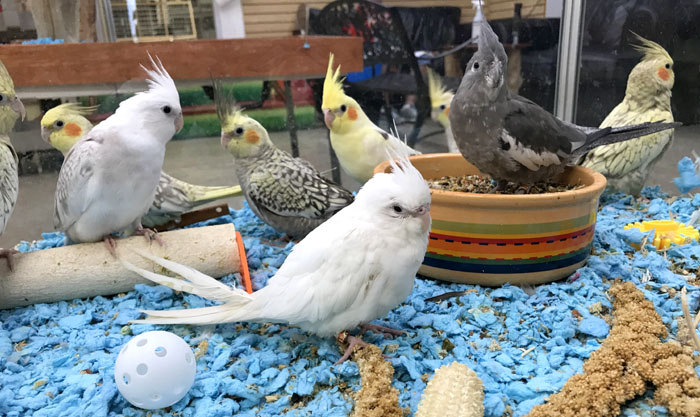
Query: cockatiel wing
column 75, row 189
column 619, row 159
column 9, row 182
column 324, row 274
column 289, row 186
column 534, row 137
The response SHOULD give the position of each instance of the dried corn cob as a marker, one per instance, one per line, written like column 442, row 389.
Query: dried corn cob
column 454, row 391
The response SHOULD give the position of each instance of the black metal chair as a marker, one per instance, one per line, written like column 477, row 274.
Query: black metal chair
column 385, row 42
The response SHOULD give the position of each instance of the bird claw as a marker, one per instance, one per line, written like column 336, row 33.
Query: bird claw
column 150, row 235
column 111, row 245
column 352, row 341
column 8, row 254
column 386, row 331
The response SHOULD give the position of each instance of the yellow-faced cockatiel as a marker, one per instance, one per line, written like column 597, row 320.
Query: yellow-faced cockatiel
column 648, row 99
column 65, row 124
column 440, row 99
column 359, row 144
column 10, row 108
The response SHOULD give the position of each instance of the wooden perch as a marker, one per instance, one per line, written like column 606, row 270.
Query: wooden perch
column 88, row 270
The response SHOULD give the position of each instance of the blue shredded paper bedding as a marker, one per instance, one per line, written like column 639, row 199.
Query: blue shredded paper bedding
column 58, row 359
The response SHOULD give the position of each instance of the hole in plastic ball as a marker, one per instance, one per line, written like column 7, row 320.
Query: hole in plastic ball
column 142, row 369
column 156, row 397
column 126, row 379
column 160, row 351
column 188, row 357
column 141, row 342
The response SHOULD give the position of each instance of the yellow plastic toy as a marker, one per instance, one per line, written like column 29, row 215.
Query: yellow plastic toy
column 666, row 232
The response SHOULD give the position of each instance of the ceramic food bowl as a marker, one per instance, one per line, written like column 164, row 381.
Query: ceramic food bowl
column 491, row 239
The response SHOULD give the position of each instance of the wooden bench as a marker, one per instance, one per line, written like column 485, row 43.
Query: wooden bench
column 89, row 69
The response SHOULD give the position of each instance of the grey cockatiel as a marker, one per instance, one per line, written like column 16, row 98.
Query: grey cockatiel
column 10, row 108
column 510, row 137
column 109, row 177
column 285, row 192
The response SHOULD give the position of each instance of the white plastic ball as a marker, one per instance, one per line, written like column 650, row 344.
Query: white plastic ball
column 155, row 370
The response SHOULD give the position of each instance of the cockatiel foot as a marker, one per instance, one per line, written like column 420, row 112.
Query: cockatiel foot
column 352, row 341
column 386, row 331
column 8, row 254
column 111, row 245
column 150, row 235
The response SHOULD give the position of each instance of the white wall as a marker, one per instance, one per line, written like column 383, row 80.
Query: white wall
column 228, row 19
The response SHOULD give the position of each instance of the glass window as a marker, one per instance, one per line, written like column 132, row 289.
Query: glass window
column 608, row 56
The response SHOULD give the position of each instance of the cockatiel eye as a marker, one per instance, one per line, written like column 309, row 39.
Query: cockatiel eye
column 2, row 98
column 343, row 108
column 167, row 109
column 476, row 66
column 238, row 131
column 397, row 208
column 668, row 66
column 58, row 124
column 443, row 107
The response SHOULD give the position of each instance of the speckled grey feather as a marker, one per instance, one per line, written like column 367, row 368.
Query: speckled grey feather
column 288, row 193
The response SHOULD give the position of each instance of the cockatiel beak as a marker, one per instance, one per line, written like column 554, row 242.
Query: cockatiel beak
column 328, row 117
column 46, row 134
column 17, row 106
column 179, row 122
column 494, row 75
column 225, row 139
column 423, row 213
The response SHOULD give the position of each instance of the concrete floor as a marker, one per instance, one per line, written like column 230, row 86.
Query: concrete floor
column 203, row 161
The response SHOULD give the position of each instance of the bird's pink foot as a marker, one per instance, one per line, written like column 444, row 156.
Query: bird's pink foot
column 111, row 245
column 8, row 254
column 150, row 235
column 386, row 331
column 352, row 342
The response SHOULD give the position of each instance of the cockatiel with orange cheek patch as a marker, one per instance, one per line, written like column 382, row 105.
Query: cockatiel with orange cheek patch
column 359, row 144
column 65, row 124
column 440, row 99
column 285, row 192
column 627, row 165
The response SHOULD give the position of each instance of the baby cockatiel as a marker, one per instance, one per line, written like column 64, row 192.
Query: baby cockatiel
column 359, row 144
column 627, row 165
column 285, row 192
column 10, row 108
column 109, row 178
column 65, row 124
column 511, row 138
column 352, row 269
column 440, row 100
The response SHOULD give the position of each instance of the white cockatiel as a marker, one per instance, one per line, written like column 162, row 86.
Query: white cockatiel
column 109, row 178
column 352, row 269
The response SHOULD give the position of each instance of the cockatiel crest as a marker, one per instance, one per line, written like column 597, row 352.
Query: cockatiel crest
column 654, row 71
column 243, row 136
column 160, row 99
column 440, row 98
column 63, row 125
column 333, row 94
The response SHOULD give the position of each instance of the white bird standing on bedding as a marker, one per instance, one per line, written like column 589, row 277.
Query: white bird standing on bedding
column 352, row 269
column 109, row 178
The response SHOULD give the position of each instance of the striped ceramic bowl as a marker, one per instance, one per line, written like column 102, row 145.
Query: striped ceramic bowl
column 491, row 239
